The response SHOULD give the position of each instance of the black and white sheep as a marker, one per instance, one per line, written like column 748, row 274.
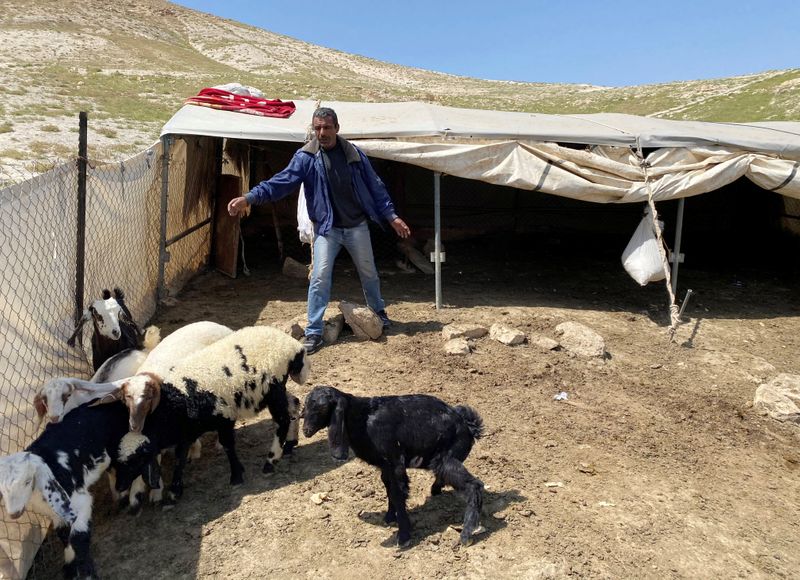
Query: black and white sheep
column 54, row 473
column 114, row 327
column 234, row 378
column 397, row 432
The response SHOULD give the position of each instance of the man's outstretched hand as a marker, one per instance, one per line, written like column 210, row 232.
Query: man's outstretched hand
column 238, row 206
column 399, row 226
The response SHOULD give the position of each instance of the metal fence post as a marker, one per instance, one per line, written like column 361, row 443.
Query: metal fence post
column 80, row 234
column 163, row 255
column 437, row 224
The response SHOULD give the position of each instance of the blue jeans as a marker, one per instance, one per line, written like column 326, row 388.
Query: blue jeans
column 359, row 245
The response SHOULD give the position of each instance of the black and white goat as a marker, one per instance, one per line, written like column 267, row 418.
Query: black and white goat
column 234, row 378
column 54, row 474
column 114, row 327
column 398, row 432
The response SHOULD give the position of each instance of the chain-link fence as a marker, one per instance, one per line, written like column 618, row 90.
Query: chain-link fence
column 41, row 259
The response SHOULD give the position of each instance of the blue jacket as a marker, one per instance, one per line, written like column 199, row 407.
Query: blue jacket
column 308, row 167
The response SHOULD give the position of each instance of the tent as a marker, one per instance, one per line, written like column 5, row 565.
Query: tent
column 602, row 158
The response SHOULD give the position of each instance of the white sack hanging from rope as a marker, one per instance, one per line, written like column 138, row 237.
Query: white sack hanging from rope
column 305, row 229
column 642, row 258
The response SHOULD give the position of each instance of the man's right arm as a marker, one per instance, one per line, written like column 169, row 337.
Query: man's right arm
column 276, row 187
column 282, row 183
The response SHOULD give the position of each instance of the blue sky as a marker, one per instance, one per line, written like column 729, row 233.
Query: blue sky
column 611, row 43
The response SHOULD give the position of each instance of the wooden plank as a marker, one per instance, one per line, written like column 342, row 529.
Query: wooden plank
column 226, row 228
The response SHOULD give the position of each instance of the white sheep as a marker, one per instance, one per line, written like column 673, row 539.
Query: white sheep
column 182, row 343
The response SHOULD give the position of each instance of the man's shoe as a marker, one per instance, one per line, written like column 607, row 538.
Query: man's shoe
column 384, row 319
column 312, row 343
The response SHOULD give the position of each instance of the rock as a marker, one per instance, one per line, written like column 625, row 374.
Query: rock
column 415, row 256
column 543, row 342
column 364, row 322
column 404, row 266
column 318, row 498
column 457, row 346
column 464, row 330
column 332, row 329
column 506, row 335
column 780, row 398
column 581, row 340
column 296, row 327
column 294, row 269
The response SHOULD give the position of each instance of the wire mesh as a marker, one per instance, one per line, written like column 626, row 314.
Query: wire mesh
column 38, row 264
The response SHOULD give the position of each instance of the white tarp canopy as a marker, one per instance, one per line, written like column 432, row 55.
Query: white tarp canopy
column 521, row 149
column 604, row 158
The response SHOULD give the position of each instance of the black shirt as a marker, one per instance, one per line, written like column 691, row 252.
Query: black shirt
column 347, row 211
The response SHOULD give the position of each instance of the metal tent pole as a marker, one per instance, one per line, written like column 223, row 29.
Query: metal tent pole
column 437, row 224
column 163, row 255
column 676, row 254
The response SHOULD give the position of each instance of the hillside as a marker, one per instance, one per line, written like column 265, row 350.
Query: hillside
column 131, row 64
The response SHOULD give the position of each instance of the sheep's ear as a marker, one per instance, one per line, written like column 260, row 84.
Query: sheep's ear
column 337, row 435
column 119, row 294
column 113, row 396
column 106, row 294
column 78, row 327
column 53, row 493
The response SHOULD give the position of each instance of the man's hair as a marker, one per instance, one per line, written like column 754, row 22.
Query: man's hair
column 323, row 112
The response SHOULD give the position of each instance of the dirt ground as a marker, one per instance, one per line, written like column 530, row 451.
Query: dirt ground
column 656, row 466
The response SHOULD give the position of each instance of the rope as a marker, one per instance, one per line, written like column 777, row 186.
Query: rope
column 674, row 316
column 245, row 269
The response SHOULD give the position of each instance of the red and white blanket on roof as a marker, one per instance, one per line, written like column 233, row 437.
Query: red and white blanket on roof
column 235, row 97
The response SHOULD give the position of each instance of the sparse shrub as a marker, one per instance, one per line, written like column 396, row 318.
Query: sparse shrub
column 13, row 154
column 50, row 128
column 107, row 132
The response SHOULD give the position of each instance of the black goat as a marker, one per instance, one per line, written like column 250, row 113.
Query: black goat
column 114, row 327
column 394, row 433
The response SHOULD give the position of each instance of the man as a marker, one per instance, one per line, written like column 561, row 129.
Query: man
column 342, row 190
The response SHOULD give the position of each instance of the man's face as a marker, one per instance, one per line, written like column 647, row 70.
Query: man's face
column 325, row 130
